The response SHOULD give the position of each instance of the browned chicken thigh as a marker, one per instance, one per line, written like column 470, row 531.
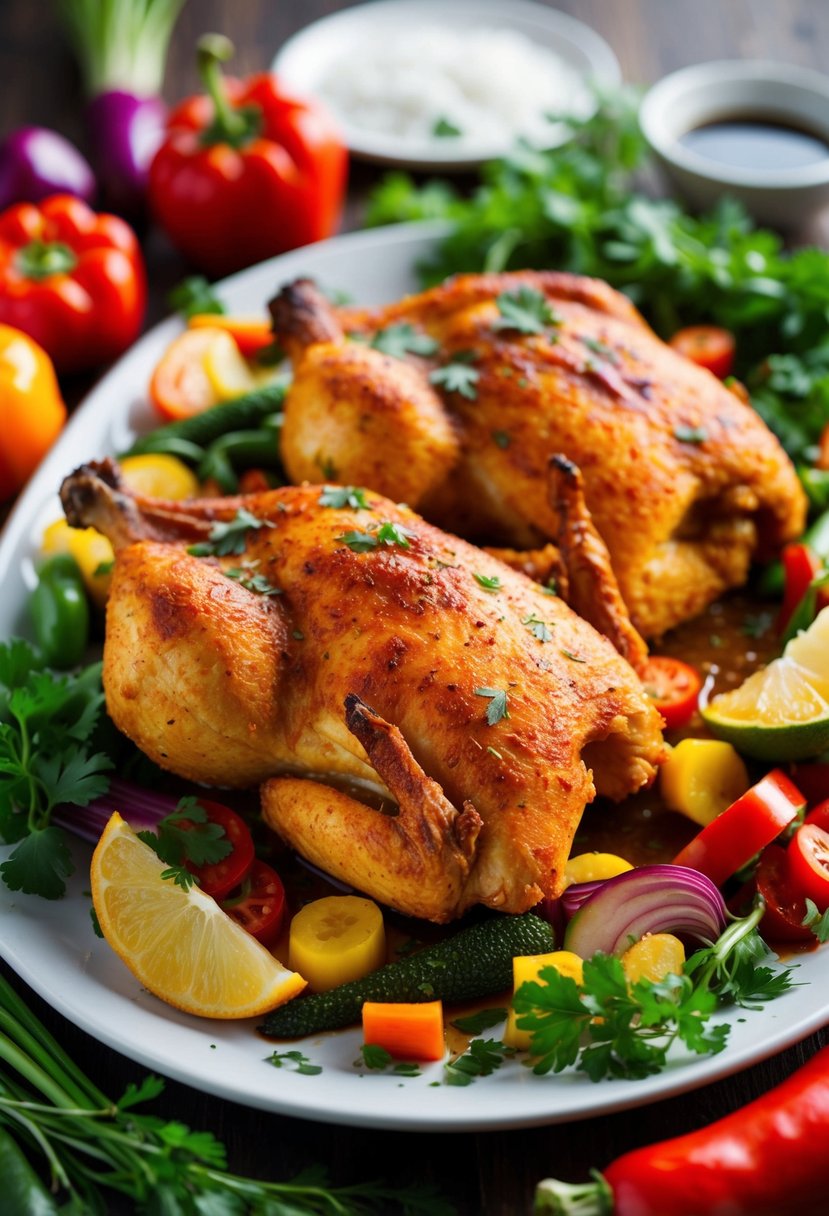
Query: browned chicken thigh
column 336, row 636
column 685, row 483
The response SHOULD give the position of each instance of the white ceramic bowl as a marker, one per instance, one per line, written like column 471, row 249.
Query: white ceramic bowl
column 304, row 61
column 740, row 90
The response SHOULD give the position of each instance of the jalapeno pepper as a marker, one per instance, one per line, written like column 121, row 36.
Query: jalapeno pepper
column 60, row 612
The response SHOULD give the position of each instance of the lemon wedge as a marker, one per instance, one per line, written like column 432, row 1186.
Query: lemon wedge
column 180, row 944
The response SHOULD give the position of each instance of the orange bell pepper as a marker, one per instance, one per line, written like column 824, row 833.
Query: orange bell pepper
column 31, row 408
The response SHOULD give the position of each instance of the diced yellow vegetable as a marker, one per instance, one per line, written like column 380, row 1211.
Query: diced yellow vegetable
column 337, row 939
column 590, row 867
column 654, row 957
column 227, row 371
column 527, row 968
column 158, row 475
column 90, row 549
column 701, row 778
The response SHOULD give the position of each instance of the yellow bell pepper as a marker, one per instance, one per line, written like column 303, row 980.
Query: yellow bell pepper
column 527, row 968
column 32, row 412
column 654, row 957
column 590, row 867
column 701, row 778
column 335, row 940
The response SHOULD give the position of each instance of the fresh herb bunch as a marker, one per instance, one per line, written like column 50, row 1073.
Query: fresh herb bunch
column 611, row 1028
column 575, row 208
column 51, row 1114
column 48, row 756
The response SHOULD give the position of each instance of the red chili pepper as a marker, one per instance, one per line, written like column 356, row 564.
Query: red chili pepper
column 246, row 172
column 71, row 279
column 767, row 1159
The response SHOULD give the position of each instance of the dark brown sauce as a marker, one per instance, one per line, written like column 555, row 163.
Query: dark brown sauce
column 744, row 143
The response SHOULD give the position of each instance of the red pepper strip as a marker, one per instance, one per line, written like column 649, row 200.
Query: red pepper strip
column 800, row 566
column 748, row 825
column 767, row 1159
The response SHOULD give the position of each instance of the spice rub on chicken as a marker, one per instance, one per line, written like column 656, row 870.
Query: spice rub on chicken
column 489, row 376
column 306, row 635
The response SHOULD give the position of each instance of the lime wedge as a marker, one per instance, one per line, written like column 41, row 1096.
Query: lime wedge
column 782, row 711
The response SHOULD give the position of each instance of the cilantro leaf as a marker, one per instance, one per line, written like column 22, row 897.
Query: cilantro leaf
column 538, row 628
column 247, row 576
column 344, row 496
column 481, row 1059
column 483, row 1019
column 525, row 310
column 457, row 376
column 294, row 1060
column 497, row 708
column 444, row 128
column 488, row 582
column 193, row 296
column 403, row 339
column 40, row 864
column 374, row 1056
column 187, row 835
column 358, row 542
column 817, row 922
column 394, row 534
column 386, row 533
column 229, row 537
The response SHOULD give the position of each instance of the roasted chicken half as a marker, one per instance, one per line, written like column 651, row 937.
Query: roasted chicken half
column 684, row 481
column 325, row 640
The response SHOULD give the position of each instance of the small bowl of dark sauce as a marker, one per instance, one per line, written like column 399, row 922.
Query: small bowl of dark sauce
column 758, row 131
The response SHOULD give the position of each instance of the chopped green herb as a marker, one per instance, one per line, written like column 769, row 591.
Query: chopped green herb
column 488, row 582
column 394, row 534
column 481, row 1059
column 400, row 340
column 386, row 533
column 443, row 128
column 497, row 708
column 344, row 496
column 457, row 377
column 601, row 348
column 247, row 576
column 502, row 439
column 816, row 921
column 525, row 310
column 538, row 628
column 690, row 434
column 483, row 1019
column 374, row 1056
column 231, row 537
column 493, row 751
column 294, row 1060
column 194, row 296
column 186, row 834
column 568, row 654
column 180, row 875
column 358, row 542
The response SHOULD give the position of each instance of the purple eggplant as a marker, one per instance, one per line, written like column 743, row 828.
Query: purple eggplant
column 125, row 132
column 36, row 162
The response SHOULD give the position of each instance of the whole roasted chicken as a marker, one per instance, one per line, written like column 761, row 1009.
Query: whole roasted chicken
column 455, row 399
column 311, row 636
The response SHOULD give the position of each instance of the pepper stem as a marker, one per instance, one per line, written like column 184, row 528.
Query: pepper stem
column 40, row 259
column 554, row 1198
column 229, row 126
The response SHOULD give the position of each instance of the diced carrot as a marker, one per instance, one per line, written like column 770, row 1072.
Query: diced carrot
column 407, row 1032
column 251, row 334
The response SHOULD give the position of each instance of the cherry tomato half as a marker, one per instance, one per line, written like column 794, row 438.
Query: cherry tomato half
column 674, row 687
column 220, row 877
column 748, row 825
column 785, row 906
column 808, row 857
column 706, row 345
column 259, row 904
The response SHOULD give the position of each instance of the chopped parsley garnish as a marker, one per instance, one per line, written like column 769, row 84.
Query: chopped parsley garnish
column 690, row 434
column 195, row 296
column 378, row 1059
column 525, row 310
column 458, row 376
column 47, row 757
column 340, row 497
column 187, row 835
column 497, row 708
column 483, row 1019
column 386, row 533
column 502, row 439
column 816, row 921
column 601, row 348
column 231, row 537
column 403, row 339
column 444, row 128
column 481, row 1059
column 294, row 1060
column 487, row 581
column 538, row 628
column 247, row 576
column 568, row 654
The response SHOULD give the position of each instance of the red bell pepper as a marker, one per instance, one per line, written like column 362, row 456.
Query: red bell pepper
column 801, row 565
column 767, row 1159
column 246, row 172
column 71, row 279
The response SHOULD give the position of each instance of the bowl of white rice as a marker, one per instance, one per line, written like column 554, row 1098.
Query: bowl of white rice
column 448, row 84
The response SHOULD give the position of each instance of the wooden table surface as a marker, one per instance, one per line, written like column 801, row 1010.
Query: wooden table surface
column 490, row 1174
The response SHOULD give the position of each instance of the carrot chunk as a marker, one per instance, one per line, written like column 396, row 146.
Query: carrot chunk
column 406, row 1031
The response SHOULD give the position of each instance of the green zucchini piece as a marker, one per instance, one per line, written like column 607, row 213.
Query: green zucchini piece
column 243, row 413
column 475, row 962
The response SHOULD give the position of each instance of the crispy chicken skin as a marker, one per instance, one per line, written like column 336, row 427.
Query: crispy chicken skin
column 685, row 483
column 377, row 667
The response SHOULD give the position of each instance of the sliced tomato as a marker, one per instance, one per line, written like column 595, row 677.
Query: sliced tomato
column 808, row 858
column 785, row 906
column 745, row 828
column 674, row 687
column 708, row 346
column 259, row 903
column 819, row 815
column 251, row 334
column 220, row 877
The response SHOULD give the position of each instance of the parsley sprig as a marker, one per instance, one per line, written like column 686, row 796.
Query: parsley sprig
column 526, row 311
column 400, row 340
column 229, row 537
column 498, row 707
column 47, row 757
column 339, row 497
column 386, row 533
column 187, row 835
column 458, row 376
column 482, row 1058
column 817, row 921
column 610, row 1028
